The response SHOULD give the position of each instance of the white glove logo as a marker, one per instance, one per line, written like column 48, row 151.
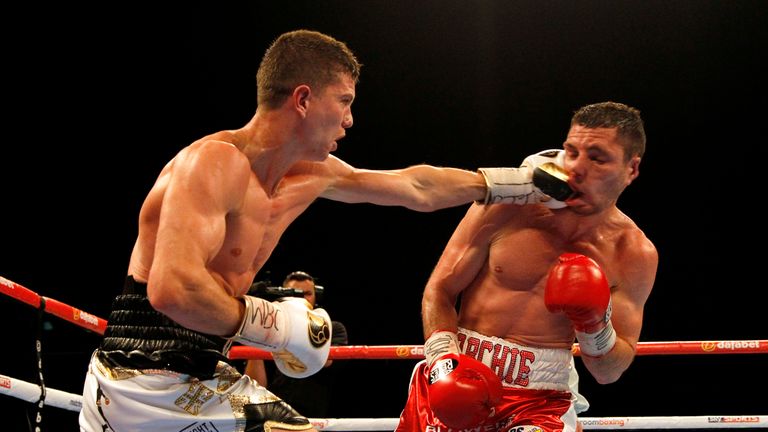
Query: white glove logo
column 318, row 330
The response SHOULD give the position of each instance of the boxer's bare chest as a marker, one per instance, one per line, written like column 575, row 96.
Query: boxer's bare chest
column 253, row 232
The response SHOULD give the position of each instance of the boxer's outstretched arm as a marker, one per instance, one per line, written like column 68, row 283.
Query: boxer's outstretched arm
column 420, row 187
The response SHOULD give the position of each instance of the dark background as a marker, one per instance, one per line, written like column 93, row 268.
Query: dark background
column 96, row 99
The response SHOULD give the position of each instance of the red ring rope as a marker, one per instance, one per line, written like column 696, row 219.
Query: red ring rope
column 54, row 307
column 417, row 351
column 98, row 325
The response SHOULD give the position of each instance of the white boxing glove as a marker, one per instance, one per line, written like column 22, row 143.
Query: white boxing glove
column 540, row 179
column 298, row 337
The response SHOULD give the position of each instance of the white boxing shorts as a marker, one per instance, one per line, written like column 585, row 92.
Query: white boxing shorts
column 118, row 399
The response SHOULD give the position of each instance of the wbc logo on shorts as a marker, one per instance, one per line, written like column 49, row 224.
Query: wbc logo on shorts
column 319, row 330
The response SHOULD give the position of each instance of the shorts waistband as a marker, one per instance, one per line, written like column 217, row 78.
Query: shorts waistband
column 519, row 366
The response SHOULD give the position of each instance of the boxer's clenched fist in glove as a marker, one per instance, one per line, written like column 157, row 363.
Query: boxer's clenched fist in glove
column 298, row 337
column 540, row 179
column 462, row 391
column 577, row 287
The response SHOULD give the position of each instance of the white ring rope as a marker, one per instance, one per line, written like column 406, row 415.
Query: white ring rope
column 31, row 393
column 73, row 402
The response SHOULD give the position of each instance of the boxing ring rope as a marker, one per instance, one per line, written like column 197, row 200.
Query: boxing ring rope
column 53, row 307
column 31, row 392
column 358, row 352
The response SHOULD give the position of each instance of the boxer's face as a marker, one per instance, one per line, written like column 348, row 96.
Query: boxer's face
column 329, row 114
column 596, row 166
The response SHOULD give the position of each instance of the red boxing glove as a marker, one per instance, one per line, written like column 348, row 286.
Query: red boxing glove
column 577, row 287
column 462, row 391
